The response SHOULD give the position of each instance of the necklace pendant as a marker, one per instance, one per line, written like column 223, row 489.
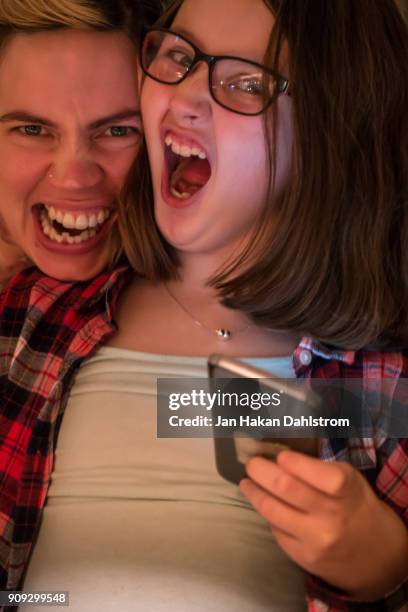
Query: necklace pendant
column 224, row 334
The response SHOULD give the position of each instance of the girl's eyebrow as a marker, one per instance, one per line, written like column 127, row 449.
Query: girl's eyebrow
column 180, row 31
column 249, row 56
column 128, row 113
column 190, row 37
column 27, row 117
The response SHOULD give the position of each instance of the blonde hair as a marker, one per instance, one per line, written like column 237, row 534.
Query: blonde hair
column 26, row 15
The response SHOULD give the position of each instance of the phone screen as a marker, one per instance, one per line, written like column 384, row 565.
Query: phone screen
column 232, row 452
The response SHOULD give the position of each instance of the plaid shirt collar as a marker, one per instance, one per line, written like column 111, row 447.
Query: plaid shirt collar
column 320, row 350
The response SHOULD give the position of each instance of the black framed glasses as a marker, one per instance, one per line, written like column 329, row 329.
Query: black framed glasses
column 237, row 84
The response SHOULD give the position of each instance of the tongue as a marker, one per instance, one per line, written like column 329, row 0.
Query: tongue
column 190, row 175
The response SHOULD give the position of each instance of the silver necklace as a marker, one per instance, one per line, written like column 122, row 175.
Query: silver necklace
column 221, row 332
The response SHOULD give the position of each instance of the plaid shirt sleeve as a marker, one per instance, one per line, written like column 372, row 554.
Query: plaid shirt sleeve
column 383, row 461
column 46, row 328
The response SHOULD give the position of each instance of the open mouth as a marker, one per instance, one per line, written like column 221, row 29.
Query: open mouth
column 188, row 169
column 69, row 228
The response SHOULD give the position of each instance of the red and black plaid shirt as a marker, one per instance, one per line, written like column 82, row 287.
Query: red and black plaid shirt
column 47, row 328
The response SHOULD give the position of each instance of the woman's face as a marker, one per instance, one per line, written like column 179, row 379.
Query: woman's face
column 210, row 205
column 69, row 131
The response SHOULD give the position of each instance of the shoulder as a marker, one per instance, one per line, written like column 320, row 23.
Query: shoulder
column 389, row 362
column 385, row 363
column 33, row 289
column 18, row 286
column 35, row 309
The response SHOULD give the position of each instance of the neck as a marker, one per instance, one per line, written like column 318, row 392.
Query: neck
column 200, row 302
column 197, row 268
column 201, row 306
column 153, row 319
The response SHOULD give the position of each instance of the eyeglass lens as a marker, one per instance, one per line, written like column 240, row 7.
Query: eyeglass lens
column 236, row 84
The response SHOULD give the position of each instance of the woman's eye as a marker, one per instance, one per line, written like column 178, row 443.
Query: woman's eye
column 180, row 57
column 119, row 131
column 31, row 130
column 251, row 86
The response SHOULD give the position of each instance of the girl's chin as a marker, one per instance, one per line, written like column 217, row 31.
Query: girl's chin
column 65, row 269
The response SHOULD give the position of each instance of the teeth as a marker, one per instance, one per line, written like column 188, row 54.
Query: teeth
column 81, row 222
column 177, row 194
column 64, row 237
column 101, row 217
column 175, row 147
column 184, row 150
column 68, row 221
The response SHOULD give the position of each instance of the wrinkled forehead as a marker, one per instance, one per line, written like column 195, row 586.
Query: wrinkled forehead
column 226, row 27
column 51, row 69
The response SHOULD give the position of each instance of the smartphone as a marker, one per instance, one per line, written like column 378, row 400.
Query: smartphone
column 232, row 453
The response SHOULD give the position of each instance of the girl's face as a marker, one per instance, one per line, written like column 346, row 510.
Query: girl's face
column 210, row 205
column 69, row 131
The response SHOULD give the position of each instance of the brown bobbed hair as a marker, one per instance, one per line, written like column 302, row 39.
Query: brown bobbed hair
column 329, row 260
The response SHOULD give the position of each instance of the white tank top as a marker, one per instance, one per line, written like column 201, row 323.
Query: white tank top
column 133, row 522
